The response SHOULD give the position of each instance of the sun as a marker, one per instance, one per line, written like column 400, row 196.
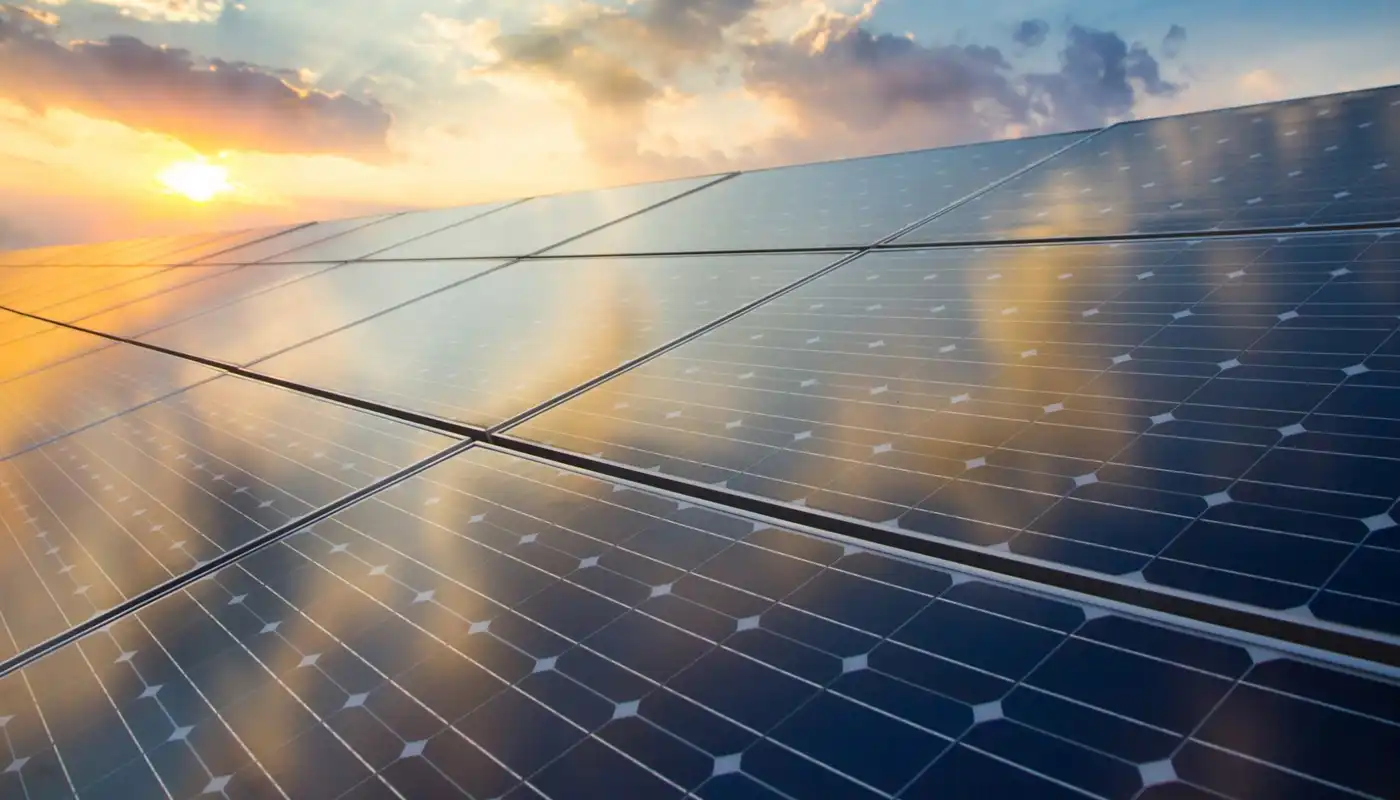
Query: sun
column 197, row 180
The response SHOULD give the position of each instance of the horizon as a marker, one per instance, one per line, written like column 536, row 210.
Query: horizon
column 295, row 124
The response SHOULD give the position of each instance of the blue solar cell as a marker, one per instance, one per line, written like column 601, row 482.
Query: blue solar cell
column 1312, row 162
column 1066, row 403
column 378, row 645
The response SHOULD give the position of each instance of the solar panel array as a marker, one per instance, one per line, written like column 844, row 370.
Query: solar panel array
column 1064, row 467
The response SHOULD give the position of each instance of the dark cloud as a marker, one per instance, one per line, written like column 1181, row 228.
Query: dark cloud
column 862, row 80
column 565, row 55
column 1173, row 41
column 209, row 104
column 621, row 58
column 1095, row 82
column 1031, row 32
column 842, row 73
column 695, row 24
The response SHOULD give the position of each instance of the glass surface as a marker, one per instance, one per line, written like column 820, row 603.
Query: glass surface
column 13, row 327
column 32, row 348
column 396, row 230
column 497, row 628
column 100, row 516
column 836, row 204
column 264, row 249
column 1218, row 417
column 275, row 320
column 1318, row 161
column 49, row 286
column 192, row 299
column 86, row 387
column 131, row 291
column 500, row 344
column 529, row 227
column 217, row 246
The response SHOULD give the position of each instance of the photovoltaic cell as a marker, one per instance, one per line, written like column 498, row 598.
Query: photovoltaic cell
column 95, row 380
column 271, row 247
column 499, row 628
column 502, row 343
column 1319, row 161
column 837, row 204
column 275, row 320
column 95, row 518
column 127, row 292
column 47, row 286
column 540, row 222
column 1218, row 417
column 371, row 239
column 168, row 307
column 32, row 350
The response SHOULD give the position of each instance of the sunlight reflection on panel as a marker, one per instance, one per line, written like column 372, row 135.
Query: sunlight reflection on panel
column 1110, row 408
column 496, row 621
column 495, row 346
column 101, row 515
column 189, row 300
column 297, row 311
column 1308, row 162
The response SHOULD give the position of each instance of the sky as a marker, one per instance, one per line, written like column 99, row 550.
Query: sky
column 124, row 118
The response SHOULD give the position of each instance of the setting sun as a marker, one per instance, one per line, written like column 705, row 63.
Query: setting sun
column 196, row 180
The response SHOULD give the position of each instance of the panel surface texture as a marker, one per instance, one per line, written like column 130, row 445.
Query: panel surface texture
column 498, row 345
column 838, row 204
column 1320, row 161
column 273, row 246
column 100, row 516
column 294, row 312
column 128, row 292
column 540, row 222
column 1218, row 417
column 101, row 381
column 192, row 299
column 499, row 628
column 42, row 287
column 33, row 348
column 371, row 239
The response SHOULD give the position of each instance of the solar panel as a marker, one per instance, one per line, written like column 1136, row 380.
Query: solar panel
column 370, row 239
column 50, row 286
column 540, row 222
column 501, row 343
column 838, row 204
column 107, row 513
column 192, row 299
column 31, row 350
column 1051, row 468
column 270, row 247
column 1141, row 411
column 288, row 315
column 1306, row 163
column 496, row 626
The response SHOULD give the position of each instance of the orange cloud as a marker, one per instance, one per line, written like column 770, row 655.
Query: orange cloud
column 209, row 105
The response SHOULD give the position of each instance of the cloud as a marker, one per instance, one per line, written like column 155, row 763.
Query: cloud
column 210, row 105
column 167, row 10
column 837, row 83
column 840, row 72
column 1095, row 83
column 1173, row 42
column 36, row 16
column 1031, row 32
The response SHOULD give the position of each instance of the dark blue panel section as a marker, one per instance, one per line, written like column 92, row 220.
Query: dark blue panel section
column 1159, row 410
column 412, row 644
column 1310, row 162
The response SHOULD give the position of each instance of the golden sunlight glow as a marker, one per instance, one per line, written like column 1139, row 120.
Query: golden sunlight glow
column 197, row 180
